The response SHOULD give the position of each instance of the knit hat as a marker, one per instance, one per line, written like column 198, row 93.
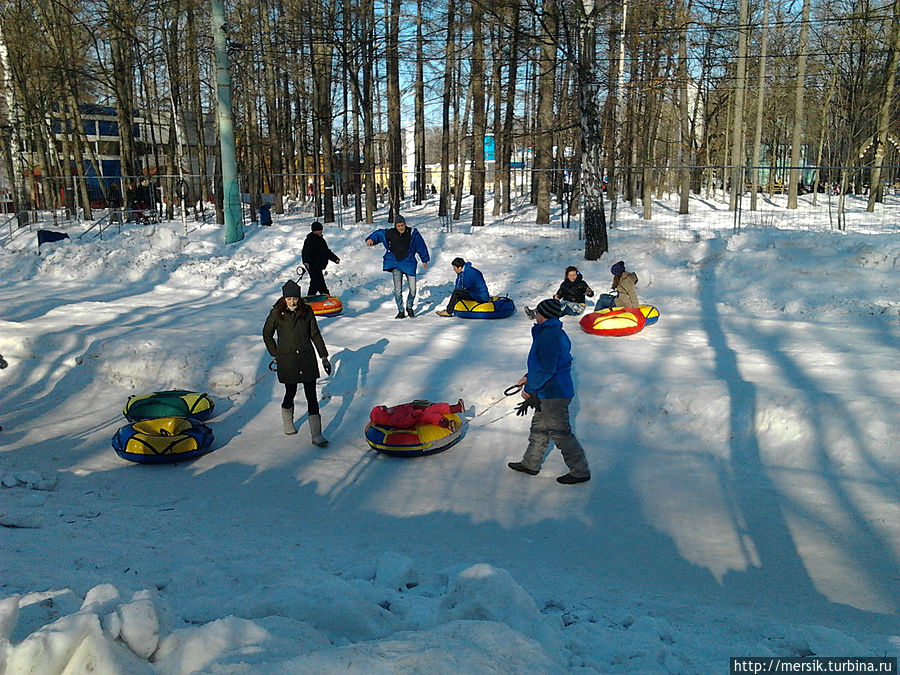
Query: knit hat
column 316, row 226
column 399, row 219
column 290, row 289
column 549, row 308
column 458, row 262
column 617, row 269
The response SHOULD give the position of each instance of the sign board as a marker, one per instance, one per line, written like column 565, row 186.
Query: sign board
column 489, row 148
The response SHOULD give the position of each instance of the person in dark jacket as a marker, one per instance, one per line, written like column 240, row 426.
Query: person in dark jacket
column 572, row 292
column 470, row 285
column 265, row 214
column 294, row 350
column 3, row 364
column 623, row 292
column 401, row 244
column 548, row 388
column 316, row 255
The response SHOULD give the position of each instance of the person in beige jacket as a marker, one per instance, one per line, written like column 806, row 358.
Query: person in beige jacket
column 624, row 289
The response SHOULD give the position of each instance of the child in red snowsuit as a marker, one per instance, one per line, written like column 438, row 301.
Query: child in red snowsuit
column 413, row 414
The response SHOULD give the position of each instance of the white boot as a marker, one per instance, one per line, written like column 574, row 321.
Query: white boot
column 287, row 416
column 315, row 428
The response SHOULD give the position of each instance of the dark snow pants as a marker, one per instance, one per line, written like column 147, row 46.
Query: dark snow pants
column 551, row 423
column 317, row 282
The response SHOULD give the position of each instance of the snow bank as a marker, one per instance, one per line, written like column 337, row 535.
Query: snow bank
column 475, row 619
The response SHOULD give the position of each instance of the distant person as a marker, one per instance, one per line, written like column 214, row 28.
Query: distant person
column 292, row 338
column 548, row 388
column 401, row 244
column 470, row 285
column 624, row 289
column 316, row 256
column 4, row 364
column 571, row 293
column 265, row 214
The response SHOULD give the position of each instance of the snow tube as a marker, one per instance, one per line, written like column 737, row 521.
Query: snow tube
column 614, row 322
column 651, row 314
column 163, row 440
column 495, row 308
column 324, row 305
column 174, row 403
column 424, row 439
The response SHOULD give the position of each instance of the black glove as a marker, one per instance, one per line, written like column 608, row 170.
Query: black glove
column 326, row 364
column 3, row 363
column 531, row 402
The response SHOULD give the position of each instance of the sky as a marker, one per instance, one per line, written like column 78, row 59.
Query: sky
column 744, row 495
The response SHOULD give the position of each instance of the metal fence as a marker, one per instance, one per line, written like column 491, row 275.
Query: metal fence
column 178, row 199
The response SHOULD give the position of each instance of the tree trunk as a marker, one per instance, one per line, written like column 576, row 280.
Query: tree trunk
column 323, row 51
column 760, row 91
column 478, row 116
column 497, row 95
column 449, row 59
column 685, row 141
column 596, row 241
column 884, row 113
column 419, row 128
column 274, row 137
column 507, row 143
column 201, row 184
column 737, row 140
column 367, row 29
column 799, row 91
column 395, row 138
column 543, row 146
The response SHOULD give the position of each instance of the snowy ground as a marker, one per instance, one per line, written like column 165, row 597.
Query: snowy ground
column 745, row 497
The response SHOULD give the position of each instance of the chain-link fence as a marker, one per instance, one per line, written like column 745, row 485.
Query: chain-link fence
column 59, row 202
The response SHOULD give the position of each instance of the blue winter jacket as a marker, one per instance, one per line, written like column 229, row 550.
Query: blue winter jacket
column 408, row 264
column 472, row 280
column 550, row 361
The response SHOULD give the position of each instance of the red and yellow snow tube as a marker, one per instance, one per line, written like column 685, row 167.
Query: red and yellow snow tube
column 614, row 322
column 424, row 439
column 324, row 305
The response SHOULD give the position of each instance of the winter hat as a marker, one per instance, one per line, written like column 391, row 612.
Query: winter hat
column 290, row 289
column 458, row 262
column 617, row 269
column 549, row 308
column 316, row 226
column 399, row 219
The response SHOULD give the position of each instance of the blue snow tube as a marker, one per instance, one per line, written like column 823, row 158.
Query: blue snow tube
column 495, row 308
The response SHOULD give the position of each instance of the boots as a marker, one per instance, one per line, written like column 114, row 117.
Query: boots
column 315, row 429
column 287, row 416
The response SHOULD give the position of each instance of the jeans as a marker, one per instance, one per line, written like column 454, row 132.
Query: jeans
column 398, row 289
column 605, row 301
column 571, row 308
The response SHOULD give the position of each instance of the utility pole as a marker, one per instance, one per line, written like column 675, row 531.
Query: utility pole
column 231, row 202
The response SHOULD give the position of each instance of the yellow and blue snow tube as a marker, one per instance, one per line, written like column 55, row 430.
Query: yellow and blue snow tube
column 173, row 403
column 163, row 440
column 324, row 305
column 424, row 439
column 495, row 308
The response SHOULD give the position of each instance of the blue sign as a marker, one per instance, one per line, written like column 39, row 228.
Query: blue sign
column 488, row 148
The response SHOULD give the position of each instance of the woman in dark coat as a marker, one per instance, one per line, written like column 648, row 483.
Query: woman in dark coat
column 294, row 350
